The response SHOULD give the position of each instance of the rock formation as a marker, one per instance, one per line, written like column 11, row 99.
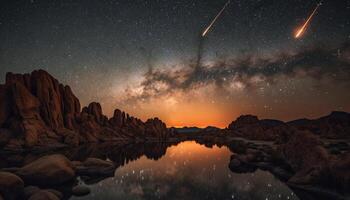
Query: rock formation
column 10, row 185
column 48, row 170
column 250, row 127
column 335, row 126
column 37, row 110
column 312, row 163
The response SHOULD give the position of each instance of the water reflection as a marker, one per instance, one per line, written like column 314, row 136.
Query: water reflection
column 184, row 171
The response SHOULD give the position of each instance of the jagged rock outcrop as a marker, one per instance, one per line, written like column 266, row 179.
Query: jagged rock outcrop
column 55, row 100
column 37, row 110
column 156, row 128
column 118, row 118
column 152, row 128
column 95, row 110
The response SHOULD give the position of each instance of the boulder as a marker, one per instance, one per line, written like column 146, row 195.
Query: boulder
column 44, row 195
column 340, row 172
column 30, row 190
column 11, row 186
column 95, row 167
column 241, row 164
column 80, row 190
column 55, row 192
column 95, row 162
column 48, row 170
column 306, row 156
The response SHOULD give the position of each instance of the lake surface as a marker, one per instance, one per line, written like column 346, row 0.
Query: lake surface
column 188, row 171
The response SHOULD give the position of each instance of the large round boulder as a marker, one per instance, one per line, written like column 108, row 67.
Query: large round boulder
column 48, row 170
column 340, row 172
column 29, row 191
column 11, row 186
column 44, row 195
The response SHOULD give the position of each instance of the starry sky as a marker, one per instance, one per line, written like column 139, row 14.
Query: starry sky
column 147, row 57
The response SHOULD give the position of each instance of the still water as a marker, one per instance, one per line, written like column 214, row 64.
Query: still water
column 188, row 171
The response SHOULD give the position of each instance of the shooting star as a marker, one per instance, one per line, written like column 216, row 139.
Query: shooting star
column 302, row 29
column 216, row 17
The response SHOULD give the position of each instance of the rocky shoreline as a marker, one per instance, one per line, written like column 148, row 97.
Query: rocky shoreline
column 51, row 177
column 62, row 174
column 309, row 165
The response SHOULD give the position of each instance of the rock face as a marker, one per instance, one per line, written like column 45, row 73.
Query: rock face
column 152, row 128
column 156, row 128
column 37, row 110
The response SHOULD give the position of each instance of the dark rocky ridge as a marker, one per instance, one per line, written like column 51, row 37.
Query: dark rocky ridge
column 333, row 126
column 38, row 111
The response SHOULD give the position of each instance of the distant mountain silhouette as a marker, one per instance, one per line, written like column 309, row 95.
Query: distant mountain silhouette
column 188, row 129
column 335, row 125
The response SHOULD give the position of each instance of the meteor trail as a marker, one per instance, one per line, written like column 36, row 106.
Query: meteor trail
column 301, row 30
column 216, row 17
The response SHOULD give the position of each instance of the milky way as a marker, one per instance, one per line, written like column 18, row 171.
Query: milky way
column 146, row 57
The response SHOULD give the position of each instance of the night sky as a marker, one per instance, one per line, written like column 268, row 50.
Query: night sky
column 141, row 55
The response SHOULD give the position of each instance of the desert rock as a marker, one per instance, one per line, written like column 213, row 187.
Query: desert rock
column 48, row 170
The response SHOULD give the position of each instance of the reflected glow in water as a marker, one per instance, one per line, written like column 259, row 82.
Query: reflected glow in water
column 188, row 171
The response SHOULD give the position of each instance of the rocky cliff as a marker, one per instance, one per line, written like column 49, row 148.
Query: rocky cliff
column 37, row 110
